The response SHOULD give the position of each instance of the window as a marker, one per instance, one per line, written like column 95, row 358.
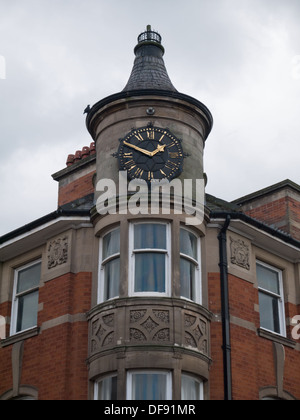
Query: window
column 191, row 388
column 271, row 301
column 106, row 389
column 147, row 386
column 110, row 266
column 190, row 274
column 150, row 259
column 25, row 297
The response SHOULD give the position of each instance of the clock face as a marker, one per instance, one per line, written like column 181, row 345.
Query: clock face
column 151, row 153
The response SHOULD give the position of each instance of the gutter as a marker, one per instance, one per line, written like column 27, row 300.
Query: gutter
column 225, row 310
column 277, row 233
column 43, row 220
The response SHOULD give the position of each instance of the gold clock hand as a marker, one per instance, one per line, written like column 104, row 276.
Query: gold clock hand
column 158, row 150
column 138, row 149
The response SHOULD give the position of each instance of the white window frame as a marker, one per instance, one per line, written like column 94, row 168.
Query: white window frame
column 198, row 273
column 168, row 374
column 280, row 297
column 199, row 381
column 16, row 296
column 133, row 252
column 102, row 264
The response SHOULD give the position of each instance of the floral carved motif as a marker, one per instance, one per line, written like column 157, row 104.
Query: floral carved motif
column 137, row 335
column 58, row 252
column 240, row 253
column 150, row 326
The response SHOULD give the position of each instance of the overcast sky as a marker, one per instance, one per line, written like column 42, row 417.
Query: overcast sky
column 241, row 58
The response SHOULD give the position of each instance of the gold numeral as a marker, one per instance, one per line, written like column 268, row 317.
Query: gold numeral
column 139, row 136
column 150, row 135
column 174, row 155
column 129, row 162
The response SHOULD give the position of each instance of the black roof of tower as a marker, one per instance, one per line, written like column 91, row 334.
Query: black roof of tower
column 149, row 70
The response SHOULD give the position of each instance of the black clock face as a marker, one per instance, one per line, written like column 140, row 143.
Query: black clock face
column 151, row 153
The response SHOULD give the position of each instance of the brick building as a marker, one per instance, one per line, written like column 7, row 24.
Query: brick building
column 112, row 296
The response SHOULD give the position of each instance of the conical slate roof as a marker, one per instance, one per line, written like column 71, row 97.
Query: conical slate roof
column 149, row 71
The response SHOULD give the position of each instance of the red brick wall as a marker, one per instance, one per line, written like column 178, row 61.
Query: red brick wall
column 294, row 211
column 252, row 356
column 76, row 189
column 284, row 213
column 54, row 361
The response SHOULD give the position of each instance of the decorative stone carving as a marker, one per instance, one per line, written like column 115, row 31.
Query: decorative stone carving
column 146, row 324
column 150, row 326
column 240, row 253
column 196, row 332
column 163, row 316
column 58, row 252
column 137, row 335
column 162, row 336
column 135, row 316
column 102, row 331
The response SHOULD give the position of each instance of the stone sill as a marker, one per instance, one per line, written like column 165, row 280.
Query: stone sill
column 24, row 335
column 276, row 338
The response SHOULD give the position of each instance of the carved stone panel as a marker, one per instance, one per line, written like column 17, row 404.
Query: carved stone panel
column 240, row 253
column 58, row 251
column 150, row 325
column 102, row 331
column 167, row 324
column 196, row 332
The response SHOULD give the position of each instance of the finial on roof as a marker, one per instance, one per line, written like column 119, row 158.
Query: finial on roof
column 149, row 71
column 149, row 37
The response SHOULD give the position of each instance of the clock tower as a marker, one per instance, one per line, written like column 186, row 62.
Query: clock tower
column 149, row 323
column 149, row 105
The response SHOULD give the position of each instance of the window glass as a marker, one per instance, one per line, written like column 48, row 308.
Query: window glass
column 25, row 298
column 111, row 244
column 110, row 266
column 268, row 279
column 149, row 255
column 27, row 311
column 188, row 279
column 269, row 312
column 188, row 244
column 190, row 276
column 150, row 272
column 149, row 387
column 191, row 389
column 150, row 236
column 106, row 390
column 271, row 299
column 111, row 279
column 29, row 278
